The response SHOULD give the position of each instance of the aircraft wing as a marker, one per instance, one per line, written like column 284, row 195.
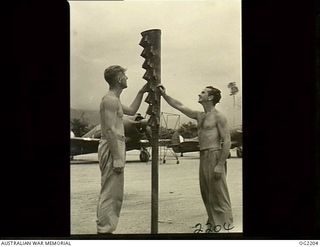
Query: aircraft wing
column 185, row 147
column 82, row 145
column 135, row 128
column 162, row 142
column 236, row 137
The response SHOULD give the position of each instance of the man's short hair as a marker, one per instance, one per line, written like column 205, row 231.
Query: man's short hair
column 111, row 74
column 216, row 93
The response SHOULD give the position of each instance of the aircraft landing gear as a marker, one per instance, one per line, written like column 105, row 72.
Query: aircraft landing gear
column 229, row 155
column 239, row 152
column 144, row 155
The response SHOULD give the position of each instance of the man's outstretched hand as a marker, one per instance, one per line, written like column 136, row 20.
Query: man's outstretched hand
column 162, row 89
column 145, row 88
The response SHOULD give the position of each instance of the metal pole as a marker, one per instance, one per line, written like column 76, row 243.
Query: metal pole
column 151, row 41
column 154, row 181
column 155, row 142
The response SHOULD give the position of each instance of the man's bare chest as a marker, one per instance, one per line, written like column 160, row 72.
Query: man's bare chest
column 208, row 121
column 120, row 111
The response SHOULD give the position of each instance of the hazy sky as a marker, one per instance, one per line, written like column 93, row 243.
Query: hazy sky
column 200, row 46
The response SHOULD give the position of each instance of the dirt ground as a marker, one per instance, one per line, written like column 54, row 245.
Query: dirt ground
column 180, row 204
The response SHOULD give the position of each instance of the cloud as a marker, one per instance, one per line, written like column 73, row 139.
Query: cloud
column 201, row 44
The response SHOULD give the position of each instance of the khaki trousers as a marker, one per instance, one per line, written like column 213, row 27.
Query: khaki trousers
column 111, row 193
column 214, row 192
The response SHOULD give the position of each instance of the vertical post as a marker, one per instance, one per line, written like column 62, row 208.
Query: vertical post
column 151, row 42
column 234, row 109
column 155, row 182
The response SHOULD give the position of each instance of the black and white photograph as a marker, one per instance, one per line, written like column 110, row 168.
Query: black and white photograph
column 156, row 117
column 161, row 120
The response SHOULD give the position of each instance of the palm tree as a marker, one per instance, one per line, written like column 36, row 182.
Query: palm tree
column 233, row 91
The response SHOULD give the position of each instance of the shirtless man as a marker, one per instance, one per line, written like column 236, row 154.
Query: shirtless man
column 111, row 150
column 214, row 141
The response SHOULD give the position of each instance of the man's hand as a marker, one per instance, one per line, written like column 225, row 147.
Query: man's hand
column 145, row 88
column 218, row 171
column 118, row 166
column 162, row 89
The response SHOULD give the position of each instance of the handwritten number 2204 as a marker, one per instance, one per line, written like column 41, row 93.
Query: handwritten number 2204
column 210, row 229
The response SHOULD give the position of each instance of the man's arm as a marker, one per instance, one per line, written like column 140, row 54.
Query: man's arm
column 108, row 108
column 224, row 132
column 133, row 108
column 177, row 104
